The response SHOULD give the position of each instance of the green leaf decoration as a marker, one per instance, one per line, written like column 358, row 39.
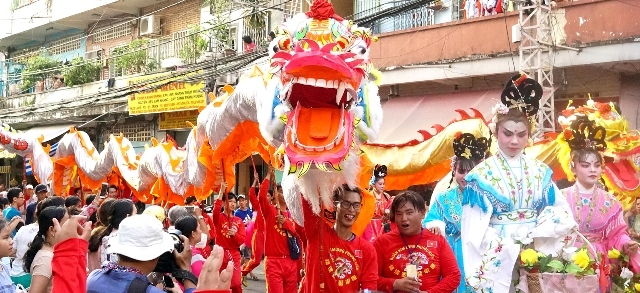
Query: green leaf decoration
column 572, row 268
column 556, row 265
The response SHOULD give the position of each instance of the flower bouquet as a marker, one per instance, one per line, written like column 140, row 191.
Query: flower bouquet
column 622, row 278
column 572, row 270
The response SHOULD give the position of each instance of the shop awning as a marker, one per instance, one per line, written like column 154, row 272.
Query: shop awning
column 404, row 117
column 49, row 131
column 4, row 154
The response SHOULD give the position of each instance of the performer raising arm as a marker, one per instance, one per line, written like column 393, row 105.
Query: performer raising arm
column 281, row 270
column 336, row 259
column 230, row 233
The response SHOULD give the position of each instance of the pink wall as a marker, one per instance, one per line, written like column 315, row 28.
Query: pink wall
column 404, row 116
column 630, row 99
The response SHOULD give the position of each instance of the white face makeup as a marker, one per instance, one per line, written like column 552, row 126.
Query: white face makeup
column 512, row 137
column 588, row 171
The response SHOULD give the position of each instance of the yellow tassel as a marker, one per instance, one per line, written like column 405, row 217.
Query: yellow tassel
column 378, row 76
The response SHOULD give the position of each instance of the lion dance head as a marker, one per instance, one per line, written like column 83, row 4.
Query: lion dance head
column 321, row 103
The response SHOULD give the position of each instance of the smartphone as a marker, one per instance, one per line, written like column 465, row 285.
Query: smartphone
column 104, row 190
column 167, row 282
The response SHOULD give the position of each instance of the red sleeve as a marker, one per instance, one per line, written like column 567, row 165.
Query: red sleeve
column 241, row 233
column 290, row 227
column 265, row 206
column 253, row 199
column 68, row 265
column 300, row 232
column 450, row 279
column 384, row 284
column 216, row 213
column 312, row 221
column 370, row 267
column 212, row 228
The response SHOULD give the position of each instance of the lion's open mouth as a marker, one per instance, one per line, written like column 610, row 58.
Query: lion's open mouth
column 320, row 126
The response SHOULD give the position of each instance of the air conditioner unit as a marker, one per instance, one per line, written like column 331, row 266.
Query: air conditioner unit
column 150, row 26
column 229, row 78
column 95, row 56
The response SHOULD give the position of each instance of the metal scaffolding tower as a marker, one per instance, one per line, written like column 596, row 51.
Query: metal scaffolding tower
column 536, row 58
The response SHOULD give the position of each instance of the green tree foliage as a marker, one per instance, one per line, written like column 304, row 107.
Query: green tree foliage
column 133, row 58
column 38, row 68
column 220, row 9
column 256, row 18
column 194, row 46
column 81, row 72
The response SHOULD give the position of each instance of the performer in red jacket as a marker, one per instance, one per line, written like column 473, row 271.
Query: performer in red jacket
column 280, row 268
column 230, row 233
column 410, row 258
column 336, row 259
column 257, row 240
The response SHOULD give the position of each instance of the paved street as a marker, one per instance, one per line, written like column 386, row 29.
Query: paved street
column 259, row 285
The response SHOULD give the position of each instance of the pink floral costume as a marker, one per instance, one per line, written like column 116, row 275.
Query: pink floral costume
column 376, row 226
column 600, row 219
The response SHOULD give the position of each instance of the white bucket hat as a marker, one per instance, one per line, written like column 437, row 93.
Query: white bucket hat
column 140, row 237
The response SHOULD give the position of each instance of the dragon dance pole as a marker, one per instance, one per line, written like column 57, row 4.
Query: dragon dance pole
column 81, row 191
column 226, row 198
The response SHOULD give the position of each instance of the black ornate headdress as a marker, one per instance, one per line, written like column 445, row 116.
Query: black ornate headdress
column 522, row 93
column 379, row 171
column 470, row 149
column 586, row 135
column 467, row 146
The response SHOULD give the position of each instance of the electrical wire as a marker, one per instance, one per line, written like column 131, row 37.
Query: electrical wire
column 155, row 45
column 112, row 26
column 155, row 83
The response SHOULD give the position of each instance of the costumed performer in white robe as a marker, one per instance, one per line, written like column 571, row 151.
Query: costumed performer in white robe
column 445, row 213
column 506, row 193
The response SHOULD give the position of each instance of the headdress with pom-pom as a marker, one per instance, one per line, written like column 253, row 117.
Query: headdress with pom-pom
column 584, row 134
column 468, row 147
column 581, row 134
column 379, row 171
column 522, row 93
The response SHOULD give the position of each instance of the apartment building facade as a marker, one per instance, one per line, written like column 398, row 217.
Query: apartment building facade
column 433, row 63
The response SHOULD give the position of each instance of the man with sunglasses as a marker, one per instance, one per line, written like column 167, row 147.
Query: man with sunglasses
column 336, row 259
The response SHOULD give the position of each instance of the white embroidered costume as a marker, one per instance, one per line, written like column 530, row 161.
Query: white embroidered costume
column 501, row 204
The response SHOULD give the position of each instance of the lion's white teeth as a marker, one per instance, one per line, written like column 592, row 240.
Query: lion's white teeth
column 340, row 93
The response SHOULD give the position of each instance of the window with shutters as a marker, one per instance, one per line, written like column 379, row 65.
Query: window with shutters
column 64, row 45
column 114, row 32
column 135, row 131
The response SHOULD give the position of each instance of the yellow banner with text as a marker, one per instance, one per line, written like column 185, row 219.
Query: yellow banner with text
column 177, row 120
column 175, row 96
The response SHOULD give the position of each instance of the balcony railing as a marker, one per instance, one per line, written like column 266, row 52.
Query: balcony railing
column 384, row 16
column 412, row 18
column 21, row 3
